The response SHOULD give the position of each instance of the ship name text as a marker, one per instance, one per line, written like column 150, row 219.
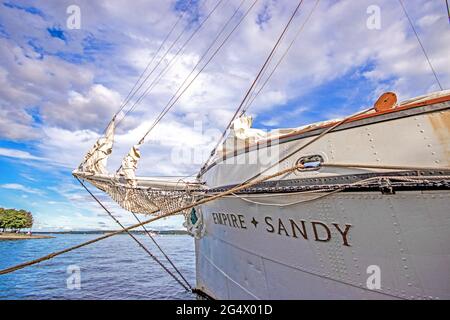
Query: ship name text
column 292, row 228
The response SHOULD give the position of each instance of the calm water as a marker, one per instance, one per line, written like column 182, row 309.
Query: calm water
column 115, row 268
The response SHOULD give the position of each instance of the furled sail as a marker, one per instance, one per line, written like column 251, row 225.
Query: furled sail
column 136, row 194
column 129, row 165
column 241, row 134
column 96, row 159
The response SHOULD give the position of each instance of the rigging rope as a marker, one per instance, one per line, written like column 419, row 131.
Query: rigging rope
column 375, row 166
column 168, row 105
column 250, row 102
column 187, row 288
column 274, row 48
column 327, row 192
column 169, row 65
column 254, row 180
column 421, row 45
column 174, row 97
column 448, row 10
column 167, row 214
column 199, row 72
column 130, row 95
column 162, row 251
column 272, row 52
column 310, row 142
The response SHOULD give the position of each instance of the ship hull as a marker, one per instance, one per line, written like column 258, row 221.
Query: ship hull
column 387, row 239
column 350, row 245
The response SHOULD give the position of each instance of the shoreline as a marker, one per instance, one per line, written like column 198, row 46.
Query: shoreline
column 21, row 236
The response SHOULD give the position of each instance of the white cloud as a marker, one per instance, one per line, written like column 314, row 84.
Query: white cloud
column 74, row 102
column 83, row 110
column 20, row 187
column 60, row 95
column 19, row 154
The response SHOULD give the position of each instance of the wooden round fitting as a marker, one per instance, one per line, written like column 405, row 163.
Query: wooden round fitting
column 387, row 101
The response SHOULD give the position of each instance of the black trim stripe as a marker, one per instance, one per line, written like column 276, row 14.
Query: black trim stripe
column 345, row 181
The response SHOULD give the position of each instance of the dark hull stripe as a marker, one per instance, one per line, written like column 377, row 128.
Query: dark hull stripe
column 345, row 181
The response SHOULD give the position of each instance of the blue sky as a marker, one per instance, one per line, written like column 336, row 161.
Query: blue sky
column 59, row 87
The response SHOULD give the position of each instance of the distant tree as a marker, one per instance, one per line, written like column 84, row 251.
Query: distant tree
column 15, row 219
column 29, row 220
column 2, row 219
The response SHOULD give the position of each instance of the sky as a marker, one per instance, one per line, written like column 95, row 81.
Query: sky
column 61, row 81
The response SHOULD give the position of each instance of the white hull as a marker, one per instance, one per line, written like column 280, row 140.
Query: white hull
column 418, row 137
column 406, row 235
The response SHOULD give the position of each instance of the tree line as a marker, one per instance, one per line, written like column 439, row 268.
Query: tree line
column 14, row 220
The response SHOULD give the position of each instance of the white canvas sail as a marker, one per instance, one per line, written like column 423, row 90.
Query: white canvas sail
column 129, row 165
column 96, row 159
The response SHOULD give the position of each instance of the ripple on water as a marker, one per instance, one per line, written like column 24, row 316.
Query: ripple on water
column 115, row 268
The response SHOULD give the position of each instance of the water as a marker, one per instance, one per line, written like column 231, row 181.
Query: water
column 114, row 268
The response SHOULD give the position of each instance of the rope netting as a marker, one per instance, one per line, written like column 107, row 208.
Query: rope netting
column 145, row 200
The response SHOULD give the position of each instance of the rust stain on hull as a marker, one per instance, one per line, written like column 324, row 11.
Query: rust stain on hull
column 440, row 122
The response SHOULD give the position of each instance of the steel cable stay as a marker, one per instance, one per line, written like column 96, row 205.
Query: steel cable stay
column 328, row 192
column 256, row 179
column 161, row 250
column 132, row 92
column 286, row 51
column 421, row 45
column 255, row 92
column 174, row 99
column 201, row 58
column 274, row 48
column 199, row 72
column 155, row 81
column 132, row 108
column 186, row 286
column 204, row 200
column 174, row 96
column 155, row 218
column 448, row 10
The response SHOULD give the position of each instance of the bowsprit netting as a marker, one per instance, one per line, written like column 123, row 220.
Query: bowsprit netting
column 138, row 195
column 145, row 200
